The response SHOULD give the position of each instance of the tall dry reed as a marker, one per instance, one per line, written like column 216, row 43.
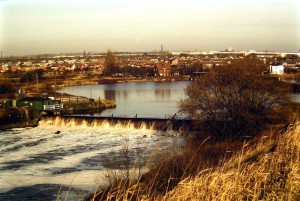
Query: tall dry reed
column 270, row 171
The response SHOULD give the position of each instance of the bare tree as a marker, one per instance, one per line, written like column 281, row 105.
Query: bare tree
column 233, row 100
column 110, row 64
column 196, row 66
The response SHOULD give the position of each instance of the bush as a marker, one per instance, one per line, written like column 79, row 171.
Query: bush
column 31, row 76
column 234, row 100
column 6, row 88
column 10, row 116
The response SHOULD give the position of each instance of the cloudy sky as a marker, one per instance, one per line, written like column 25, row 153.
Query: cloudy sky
column 55, row 26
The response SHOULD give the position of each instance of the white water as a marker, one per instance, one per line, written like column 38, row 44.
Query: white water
column 33, row 156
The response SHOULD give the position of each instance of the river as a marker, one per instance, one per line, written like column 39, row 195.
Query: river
column 144, row 99
column 37, row 164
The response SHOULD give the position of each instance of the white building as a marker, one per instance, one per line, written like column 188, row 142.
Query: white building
column 278, row 70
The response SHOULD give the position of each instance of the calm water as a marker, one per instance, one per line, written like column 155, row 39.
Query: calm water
column 146, row 99
column 294, row 97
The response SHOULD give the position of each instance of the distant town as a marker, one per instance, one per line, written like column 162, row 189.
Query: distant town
column 145, row 64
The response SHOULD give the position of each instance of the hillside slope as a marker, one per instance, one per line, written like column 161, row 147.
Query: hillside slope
column 270, row 171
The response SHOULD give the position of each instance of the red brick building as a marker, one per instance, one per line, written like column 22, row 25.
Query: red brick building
column 162, row 69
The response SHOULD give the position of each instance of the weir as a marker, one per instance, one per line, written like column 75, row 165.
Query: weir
column 125, row 122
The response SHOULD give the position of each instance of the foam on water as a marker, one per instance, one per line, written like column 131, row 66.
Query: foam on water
column 37, row 155
column 58, row 122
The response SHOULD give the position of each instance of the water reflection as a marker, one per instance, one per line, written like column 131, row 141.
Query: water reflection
column 163, row 94
column 125, row 94
column 110, row 95
column 146, row 99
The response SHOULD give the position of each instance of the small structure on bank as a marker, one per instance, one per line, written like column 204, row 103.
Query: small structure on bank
column 277, row 69
column 46, row 104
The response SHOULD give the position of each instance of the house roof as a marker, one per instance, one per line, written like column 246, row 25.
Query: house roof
column 163, row 65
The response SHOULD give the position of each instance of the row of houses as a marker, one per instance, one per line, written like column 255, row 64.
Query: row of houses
column 158, row 65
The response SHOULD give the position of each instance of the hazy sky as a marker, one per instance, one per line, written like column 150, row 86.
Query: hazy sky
column 54, row 26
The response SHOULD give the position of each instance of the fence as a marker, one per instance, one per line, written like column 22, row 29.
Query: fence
column 75, row 99
column 53, row 107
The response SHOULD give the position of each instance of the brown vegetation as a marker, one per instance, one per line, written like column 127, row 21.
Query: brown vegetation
column 16, row 117
column 263, row 168
column 235, row 100
column 110, row 65
column 268, row 171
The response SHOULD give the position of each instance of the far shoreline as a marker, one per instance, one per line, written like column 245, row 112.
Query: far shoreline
column 116, row 80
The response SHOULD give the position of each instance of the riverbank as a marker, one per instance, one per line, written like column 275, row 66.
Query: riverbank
column 32, row 123
column 267, row 171
column 22, row 117
column 48, row 86
column 264, row 168
column 17, row 118
column 12, row 117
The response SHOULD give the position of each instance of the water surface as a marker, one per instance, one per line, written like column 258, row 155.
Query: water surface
column 38, row 162
column 145, row 99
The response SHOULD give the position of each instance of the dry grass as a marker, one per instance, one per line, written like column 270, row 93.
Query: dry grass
column 270, row 171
